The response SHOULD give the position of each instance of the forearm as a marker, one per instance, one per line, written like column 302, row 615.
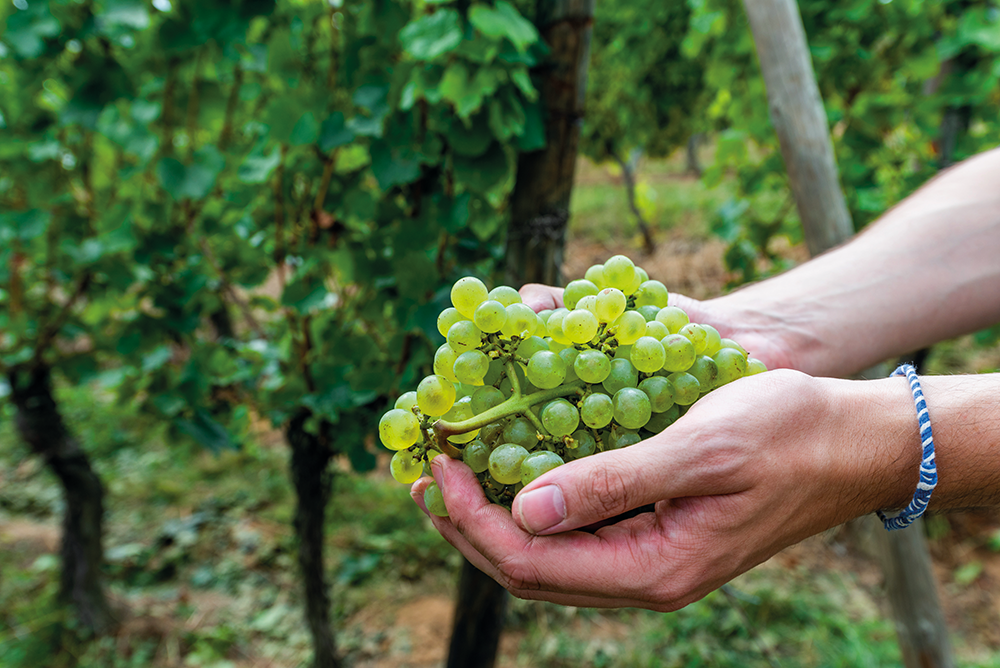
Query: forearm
column 926, row 271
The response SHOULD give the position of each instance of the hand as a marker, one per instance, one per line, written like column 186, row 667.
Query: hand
column 766, row 343
column 753, row 467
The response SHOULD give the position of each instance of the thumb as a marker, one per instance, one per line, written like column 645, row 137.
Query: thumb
column 540, row 297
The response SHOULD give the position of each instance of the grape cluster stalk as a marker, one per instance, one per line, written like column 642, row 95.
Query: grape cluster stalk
column 515, row 394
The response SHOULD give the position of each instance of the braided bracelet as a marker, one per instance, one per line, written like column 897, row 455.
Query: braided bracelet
column 928, row 465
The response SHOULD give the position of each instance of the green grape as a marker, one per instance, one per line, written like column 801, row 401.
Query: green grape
column 462, row 410
column 624, row 438
column 530, row 346
column 504, row 294
column 406, row 467
column 622, row 353
column 540, row 328
column 641, row 274
column 754, row 366
column 444, row 362
column 595, row 275
column 505, row 463
column 554, row 326
column 448, row 317
column 399, row 429
column 476, row 456
column 588, row 303
column 729, row 343
column 732, row 365
column 485, row 398
column 686, row 388
column 537, row 463
column 680, row 353
column 660, row 421
column 546, row 370
column 629, row 327
column 632, row 407
column 520, row 431
column 576, row 290
column 637, row 281
column 648, row 312
column 468, row 293
column 428, row 458
column 556, row 347
column 651, row 293
column 597, row 410
column 580, row 326
column 434, row 500
column 521, row 321
column 585, row 445
column 673, row 317
column 560, row 417
column 568, row 356
column 490, row 316
column 656, row 329
column 696, row 334
column 660, row 393
column 471, row 367
column 491, row 433
column 406, row 401
column 622, row 374
column 713, row 341
column 610, row 304
column 647, row 355
column 619, row 272
column 494, row 373
column 592, row 366
column 706, row 371
column 435, row 395
column 464, row 336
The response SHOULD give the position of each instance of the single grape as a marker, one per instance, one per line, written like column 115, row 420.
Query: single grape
column 537, row 463
column 447, row 318
column 597, row 410
column 521, row 321
column 471, row 367
column 651, row 293
column 505, row 294
column 592, row 366
column 568, row 356
column 585, row 444
column 434, row 500
column 485, row 398
column 619, row 272
column 575, row 290
column 554, row 326
column 660, row 393
column 632, row 407
column 444, row 362
column 495, row 372
column 622, row 438
column 468, row 293
column 647, row 355
column 560, row 417
column 491, row 433
column 476, row 456
column 490, row 316
column 641, row 274
column 546, row 370
column 696, row 334
column 595, row 275
column 520, row 431
column 660, row 421
column 648, row 312
column 656, row 329
column 610, row 304
column 580, row 326
column 505, row 463
column 462, row 410
column 679, row 351
column 713, row 341
column 729, row 343
column 435, row 395
column 629, row 327
column 588, row 303
column 530, row 346
column 464, row 336
column 406, row 467
column 673, row 317
column 623, row 353
column 755, row 366
column 686, row 388
column 637, row 281
column 399, row 429
column 732, row 365
column 622, row 374
column 428, row 458
column 706, row 371
column 406, row 401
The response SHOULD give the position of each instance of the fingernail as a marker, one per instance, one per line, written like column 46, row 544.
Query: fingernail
column 542, row 508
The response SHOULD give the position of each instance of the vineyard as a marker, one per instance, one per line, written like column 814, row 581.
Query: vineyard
column 227, row 231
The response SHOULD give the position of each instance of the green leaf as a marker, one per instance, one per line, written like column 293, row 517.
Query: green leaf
column 206, row 431
column 304, row 293
column 27, row 29
column 432, row 35
column 122, row 15
column 334, row 132
column 306, row 130
column 194, row 181
column 257, row 166
column 393, row 164
column 503, row 21
column 533, row 137
column 483, row 173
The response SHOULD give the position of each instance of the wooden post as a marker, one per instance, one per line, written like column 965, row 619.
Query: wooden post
column 800, row 121
column 535, row 239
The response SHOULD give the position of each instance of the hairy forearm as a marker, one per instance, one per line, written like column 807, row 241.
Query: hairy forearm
column 928, row 270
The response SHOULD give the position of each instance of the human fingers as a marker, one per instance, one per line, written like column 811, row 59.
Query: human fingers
column 541, row 297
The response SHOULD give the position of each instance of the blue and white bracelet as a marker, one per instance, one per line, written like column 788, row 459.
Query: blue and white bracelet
column 928, row 465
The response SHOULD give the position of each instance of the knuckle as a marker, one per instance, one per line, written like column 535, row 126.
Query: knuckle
column 608, row 492
column 518, row 575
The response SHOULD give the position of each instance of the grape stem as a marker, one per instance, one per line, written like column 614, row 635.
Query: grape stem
column 517, row 403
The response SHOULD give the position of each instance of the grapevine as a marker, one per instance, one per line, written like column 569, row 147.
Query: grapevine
column 516, row 393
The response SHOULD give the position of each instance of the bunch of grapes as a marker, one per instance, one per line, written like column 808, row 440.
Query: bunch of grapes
column 515, row 394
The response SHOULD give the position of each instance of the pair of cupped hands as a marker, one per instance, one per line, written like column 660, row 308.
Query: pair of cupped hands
column 754, row 466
